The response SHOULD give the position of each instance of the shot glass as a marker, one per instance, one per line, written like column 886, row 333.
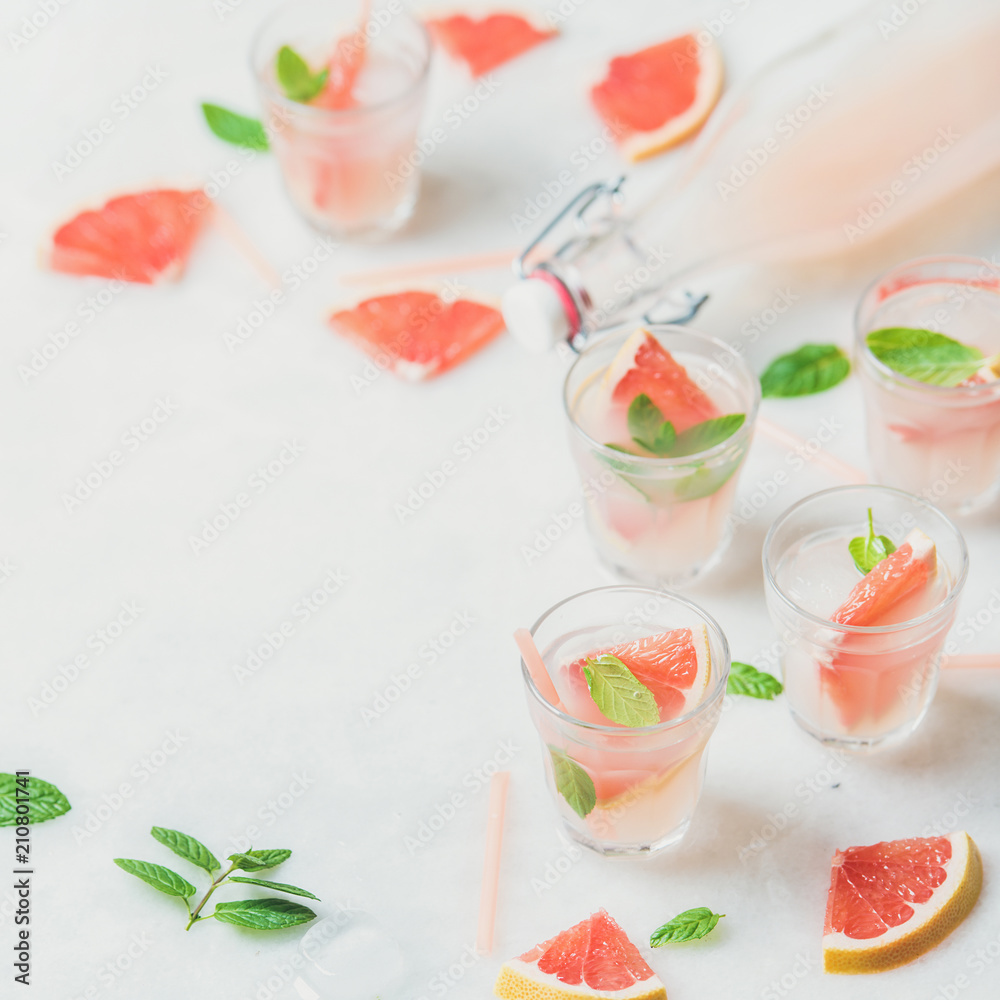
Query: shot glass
column 348, row 158
column 618, row 790
column 940, row 443
column 660, row 521
column 868, row 683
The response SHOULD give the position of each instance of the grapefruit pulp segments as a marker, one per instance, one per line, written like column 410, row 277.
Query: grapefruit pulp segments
column 141, row 238
column 891, row 902
column 644, row 366
column 853, row 680
column 675, row 665
column 487, row 42
column 418, row 334
column 655, row 98
column 593, row 959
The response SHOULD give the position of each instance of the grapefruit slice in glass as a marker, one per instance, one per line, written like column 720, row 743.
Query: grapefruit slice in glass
column 644, row 365
column 889, row 593
column 592, row 959
column 891, row 902
column 655, row 98
column 418, row 334
column 487, row 42
column 142, row 238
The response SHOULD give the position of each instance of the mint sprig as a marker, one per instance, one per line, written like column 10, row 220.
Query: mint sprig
column 650, row 431
column 868, row 552
column 573, row 783
column 44, row 800
column 810, row 369
column 261, row 914
column 619, row 695
column 687, row 926
column 748, row 680
column 296, row 78
column 707, row 434
column 235, row 128
column 926, row 355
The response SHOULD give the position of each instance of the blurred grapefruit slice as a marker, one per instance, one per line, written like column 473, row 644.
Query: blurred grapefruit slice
column 592, row 959
column 891, row 902
column 142, row 238
column 655, row 98
column 487, row 42
column 644, row 365
column 676, row 666
column 417, row 334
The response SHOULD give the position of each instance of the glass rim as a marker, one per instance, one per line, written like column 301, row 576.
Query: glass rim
column 336, row 114
column 656, row 461
column 942, row 391
column 953, row 594
column 670, row 724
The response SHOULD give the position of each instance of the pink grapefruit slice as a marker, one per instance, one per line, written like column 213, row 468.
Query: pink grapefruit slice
column 593, row 959
column 417, row 334
column 655, row 98
column 487, row 42
column 891, row 902
column 853, row 680
column 142, row 238
column 644, row 365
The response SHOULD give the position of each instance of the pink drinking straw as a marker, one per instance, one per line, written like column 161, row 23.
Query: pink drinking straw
column 536, row 667
column 491, row 866
column 982, row 661
column 821, row 457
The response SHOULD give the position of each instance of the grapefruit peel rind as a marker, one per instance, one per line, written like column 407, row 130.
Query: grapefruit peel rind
column 930, row 924
column 520, row 981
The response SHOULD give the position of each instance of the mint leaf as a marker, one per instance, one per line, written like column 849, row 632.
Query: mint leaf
column 868, row 552
column 186, row 847
column 158, row 877
column 925, row 355
column 234, row 128
column 573, row 783
column 618, row 694
column 263, row 914
column 687, row 926
column 44, row 801
column 648, row 428
column 297, row 81
column 703, row 482
column 754, row 683
column 706, row 435
column 280, row 886
column 255, row 861
column 812, row 368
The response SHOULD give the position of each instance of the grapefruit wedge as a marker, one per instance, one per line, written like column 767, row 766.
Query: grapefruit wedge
column 593, row 959
column 893, row 901
column 142, row 238
column 676, row 666
column 657, row 97
column 487, row 42
column 417, row 334
column 853, row 679
column 644, row 365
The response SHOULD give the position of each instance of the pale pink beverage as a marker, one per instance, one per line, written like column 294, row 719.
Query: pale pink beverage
column 861, row 652
column 347, row 154
column 659, row 519
column 941, row 443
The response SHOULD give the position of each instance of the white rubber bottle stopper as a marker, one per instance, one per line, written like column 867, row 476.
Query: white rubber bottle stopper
column 534, row 314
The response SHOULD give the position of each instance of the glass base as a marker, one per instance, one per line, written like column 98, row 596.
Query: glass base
column 861, row 744
column 372, row 231
column 670, row 580
column 613, row 849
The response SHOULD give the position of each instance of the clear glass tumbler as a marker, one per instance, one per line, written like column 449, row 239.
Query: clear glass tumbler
column 625, row 790
column 938, row 442
column 348, row 156
column 660, row 521
column 861, row 666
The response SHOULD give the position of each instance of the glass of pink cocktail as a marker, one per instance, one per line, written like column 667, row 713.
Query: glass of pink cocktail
column 862, row 649
column 344, row 85
column 661, row 418
column 640, row 677
column 940, row 441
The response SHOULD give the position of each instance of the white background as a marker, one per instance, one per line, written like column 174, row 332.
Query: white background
column 296, row 725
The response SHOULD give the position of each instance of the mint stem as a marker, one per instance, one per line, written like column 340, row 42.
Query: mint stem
column 207, row 896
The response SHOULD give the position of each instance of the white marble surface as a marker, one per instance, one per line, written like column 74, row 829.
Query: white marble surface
column 289, row 749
